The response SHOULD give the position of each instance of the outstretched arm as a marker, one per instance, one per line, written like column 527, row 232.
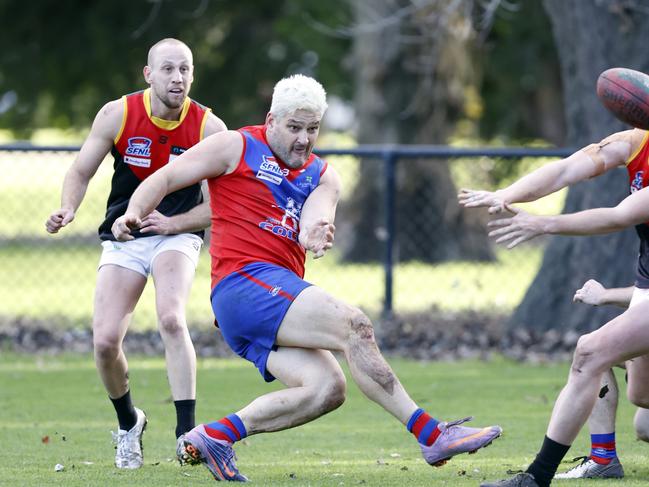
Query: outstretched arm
column 318, row 213
column 99, row 142
column 593, row 292
column 586, row 163
column 216, row 155
column 634, row 209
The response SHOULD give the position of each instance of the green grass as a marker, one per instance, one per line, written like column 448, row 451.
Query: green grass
column 359, row 444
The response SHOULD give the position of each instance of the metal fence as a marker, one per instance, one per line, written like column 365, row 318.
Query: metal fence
column 50, row 279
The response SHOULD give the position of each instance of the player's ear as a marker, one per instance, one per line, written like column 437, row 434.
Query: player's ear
column 147, row 74
column 269, row 118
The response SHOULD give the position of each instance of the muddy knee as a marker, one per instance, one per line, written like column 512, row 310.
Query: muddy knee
column 361, row 326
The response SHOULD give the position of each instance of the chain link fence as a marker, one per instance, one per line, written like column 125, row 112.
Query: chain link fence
column 49, row 279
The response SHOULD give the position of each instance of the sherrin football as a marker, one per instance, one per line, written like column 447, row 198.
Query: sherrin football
column 625, row 93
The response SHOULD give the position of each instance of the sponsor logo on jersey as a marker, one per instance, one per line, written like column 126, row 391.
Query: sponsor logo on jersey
column 307, row 183
column 275, row 290
column 138, row 152
column 137, row 161
column 139, row 146
column 270, row 171
column 636, row 184
column 175, row 152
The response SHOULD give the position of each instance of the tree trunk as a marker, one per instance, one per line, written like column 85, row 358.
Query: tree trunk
column 411, row 83
column 591, row 37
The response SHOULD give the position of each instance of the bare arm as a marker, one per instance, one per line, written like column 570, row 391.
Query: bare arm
column 318, row 214
column 632, row 210
column 213, row 125
column 592, row 292
column 218, row 154
column 198, row 217
column 591, row 161
column 99, row 142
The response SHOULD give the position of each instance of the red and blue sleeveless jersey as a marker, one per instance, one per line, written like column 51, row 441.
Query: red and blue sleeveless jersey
column 143, row 145
column 638, row 168
column 256, row 208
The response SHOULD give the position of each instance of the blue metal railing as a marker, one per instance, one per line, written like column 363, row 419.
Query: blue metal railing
column 390, row 155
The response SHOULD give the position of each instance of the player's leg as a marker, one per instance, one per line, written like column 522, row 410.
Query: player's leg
column 638, row 393
column 315, row 319
column 620, row 339
column 315, row 385
column 641, row 424
column 116, row 294
column 173, row 273
column 602, row 461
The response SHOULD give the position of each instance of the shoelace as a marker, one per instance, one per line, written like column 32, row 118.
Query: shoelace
column 457, row 422
column 583, row 460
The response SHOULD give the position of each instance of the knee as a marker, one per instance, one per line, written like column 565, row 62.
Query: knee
column 171, row 325
column 360, row 326
column 588, row 356
column 332, row 392
column 641, row 429
column 106, row 347
column 641, row 424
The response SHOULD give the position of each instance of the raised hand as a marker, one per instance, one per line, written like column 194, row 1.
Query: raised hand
column 517, row 229
column 472, row 198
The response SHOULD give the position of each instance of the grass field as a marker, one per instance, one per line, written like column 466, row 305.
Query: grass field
column 61, row 399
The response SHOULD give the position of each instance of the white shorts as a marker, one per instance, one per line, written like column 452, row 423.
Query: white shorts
column 639, row 295
column 139, row 254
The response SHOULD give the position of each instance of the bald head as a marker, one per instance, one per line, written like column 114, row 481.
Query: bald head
column 170, row 73
column 165, row 47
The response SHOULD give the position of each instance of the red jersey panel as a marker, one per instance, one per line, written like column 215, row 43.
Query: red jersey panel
column 256, row 208
column 638, row 169
column 142, row 147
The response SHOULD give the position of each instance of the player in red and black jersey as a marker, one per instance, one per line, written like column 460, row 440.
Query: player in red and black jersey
column 273, row 200
column 619, row 340
column 144, row 131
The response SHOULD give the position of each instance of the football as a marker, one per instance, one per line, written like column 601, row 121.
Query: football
column 625, row 93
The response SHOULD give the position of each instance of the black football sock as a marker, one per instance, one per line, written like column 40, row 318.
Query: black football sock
column 126, row 415
column 547, row 461
column 185, row 415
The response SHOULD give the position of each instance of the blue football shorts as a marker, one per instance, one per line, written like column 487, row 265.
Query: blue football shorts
column 249, row 306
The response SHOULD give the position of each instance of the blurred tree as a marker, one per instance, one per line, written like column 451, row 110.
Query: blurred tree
column 416, row 77
column 591, row 37
column 521, row 82
column 62, row 60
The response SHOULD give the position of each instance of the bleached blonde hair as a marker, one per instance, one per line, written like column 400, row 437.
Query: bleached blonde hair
column 298, row 92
